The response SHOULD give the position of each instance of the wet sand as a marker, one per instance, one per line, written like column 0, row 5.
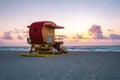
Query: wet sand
column 74, row 66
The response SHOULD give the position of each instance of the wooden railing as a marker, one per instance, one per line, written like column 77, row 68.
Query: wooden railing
column 58, row 38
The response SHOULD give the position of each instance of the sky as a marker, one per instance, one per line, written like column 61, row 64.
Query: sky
column 86, row 22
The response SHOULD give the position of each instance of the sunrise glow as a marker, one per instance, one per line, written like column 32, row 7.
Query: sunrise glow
column 86, row 22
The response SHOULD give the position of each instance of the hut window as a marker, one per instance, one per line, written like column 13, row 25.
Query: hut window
column 35, row 29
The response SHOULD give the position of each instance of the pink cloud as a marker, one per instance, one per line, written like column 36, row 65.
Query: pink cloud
column 2, row 43
column 96, row 32
column 17, row 31
column 78, row 37
column 7, row 36
column 114, row 36
column 110, row 30
column 19, row 37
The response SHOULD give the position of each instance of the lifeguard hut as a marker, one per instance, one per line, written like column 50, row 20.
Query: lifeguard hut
column 43, row 40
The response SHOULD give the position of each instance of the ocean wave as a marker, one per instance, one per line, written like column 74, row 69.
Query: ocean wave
column 70, row 48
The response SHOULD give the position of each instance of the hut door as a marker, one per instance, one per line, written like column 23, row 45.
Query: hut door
column 49, row 39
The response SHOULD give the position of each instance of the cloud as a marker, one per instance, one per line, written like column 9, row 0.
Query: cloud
column 78, row 37
column 19, row 37
column 2, row 43
column 114, row 36
column 7, row 36
column 25, row 31
column 110, row 30
column 17, row 31
column 96, row 32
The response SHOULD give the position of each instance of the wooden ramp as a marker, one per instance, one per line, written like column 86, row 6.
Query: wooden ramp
column 38, row 55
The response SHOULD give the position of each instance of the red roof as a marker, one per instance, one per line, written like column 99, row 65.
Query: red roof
column 48, row 23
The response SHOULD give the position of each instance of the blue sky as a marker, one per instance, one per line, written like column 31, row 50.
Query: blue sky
column 77, row 16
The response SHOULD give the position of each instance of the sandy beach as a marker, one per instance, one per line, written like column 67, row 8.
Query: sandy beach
column 74, row 66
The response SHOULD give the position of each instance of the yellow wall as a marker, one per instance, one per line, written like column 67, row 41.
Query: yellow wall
column 48, row 31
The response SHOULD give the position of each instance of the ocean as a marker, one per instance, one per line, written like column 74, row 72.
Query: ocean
column 70, row 48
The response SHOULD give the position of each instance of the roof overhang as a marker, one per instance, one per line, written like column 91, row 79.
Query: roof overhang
column 54, row 26
column 59, row 27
